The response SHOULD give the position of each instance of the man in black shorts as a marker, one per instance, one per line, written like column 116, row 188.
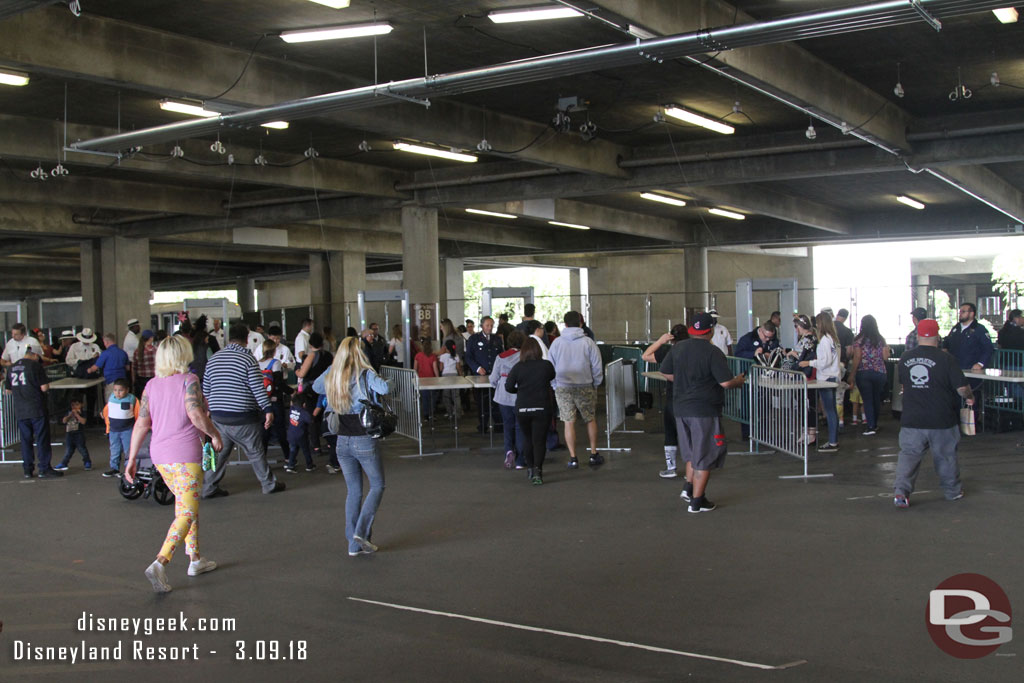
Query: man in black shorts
column 700, row 375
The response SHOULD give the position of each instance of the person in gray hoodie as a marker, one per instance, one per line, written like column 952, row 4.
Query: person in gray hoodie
column 578, row 373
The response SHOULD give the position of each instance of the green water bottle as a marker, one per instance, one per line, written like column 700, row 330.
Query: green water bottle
column 209, row 457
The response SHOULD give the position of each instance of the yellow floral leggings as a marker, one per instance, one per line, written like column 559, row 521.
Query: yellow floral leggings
column 185, row 481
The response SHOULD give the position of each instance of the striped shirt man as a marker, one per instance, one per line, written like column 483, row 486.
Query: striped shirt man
column 233, row 386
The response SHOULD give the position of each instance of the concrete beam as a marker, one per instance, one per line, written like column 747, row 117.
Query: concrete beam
column 35, row 139
column 785, row 68
column 600, row 217
column 172, row 65
column 987, row 187
column 760, row 201
column 122, row 195
column 238, row 255
column 34, row 220
column 301, row 238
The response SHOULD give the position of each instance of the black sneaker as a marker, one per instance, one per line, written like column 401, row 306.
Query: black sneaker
column 574, row 464
column 290, row 469
column 311, row 468
column 596, row 460
column 829, row 448
column 278, row 487
column 111, row 473
column 687, row 493
column 51, row 474
column 28, row 475
column 701, row 504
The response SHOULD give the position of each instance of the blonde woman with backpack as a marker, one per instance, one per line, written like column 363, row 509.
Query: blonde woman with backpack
column 345, row 384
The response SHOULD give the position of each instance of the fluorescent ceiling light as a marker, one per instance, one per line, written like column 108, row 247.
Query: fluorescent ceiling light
column 434, row 152
column 1007, row 15
column 333, row 4
column 491, row 213
column 532, row 14
column 187, row 108
column 662, row 198
column 570, row 225
column 912, row 203
column 336, row 33
column 13, row 78
column 727, row 214
column 698, row 120
column 276, row 125
column 959, row 259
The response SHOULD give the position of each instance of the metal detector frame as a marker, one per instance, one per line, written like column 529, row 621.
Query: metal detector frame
column 487, row 294
column 384, row 296
column 745, row 305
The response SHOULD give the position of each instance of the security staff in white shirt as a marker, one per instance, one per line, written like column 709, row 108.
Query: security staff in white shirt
column 131, row 338
column 83, row 349
column 218, row 332
column 282, row 354
column 721, row 337
column 302, row 339
column 18, row 345
column 255, row 343
column 536, row 329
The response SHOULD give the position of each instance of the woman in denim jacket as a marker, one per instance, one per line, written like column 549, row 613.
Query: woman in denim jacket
column 343, row 385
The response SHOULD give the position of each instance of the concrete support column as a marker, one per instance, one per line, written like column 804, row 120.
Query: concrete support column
column 124, row 276
column 453, row 303
column 695, row 279
column 92, row 284
column 969, row 294
column 420, row 266
column 246, row 289
column 33, row 313
column 921, row 292
column 576, row 293
column 347, row 275
column 320, row 290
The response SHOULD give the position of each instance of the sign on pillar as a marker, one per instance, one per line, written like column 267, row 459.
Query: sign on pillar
column 428, row 321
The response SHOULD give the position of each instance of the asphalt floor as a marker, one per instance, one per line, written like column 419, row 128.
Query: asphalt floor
column 598, row 575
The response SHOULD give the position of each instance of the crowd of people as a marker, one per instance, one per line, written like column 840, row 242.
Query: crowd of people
column 213, row 390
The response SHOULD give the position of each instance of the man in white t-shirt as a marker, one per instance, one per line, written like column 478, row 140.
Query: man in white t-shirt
column 131, row 338
column 535, row 329
column 721, row 337
column 18, row 345
column 218, row 331
column 302, row 339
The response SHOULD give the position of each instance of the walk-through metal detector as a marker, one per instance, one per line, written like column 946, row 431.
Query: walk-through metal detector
column 487, row 294
column 787, row 292
column 386, row 295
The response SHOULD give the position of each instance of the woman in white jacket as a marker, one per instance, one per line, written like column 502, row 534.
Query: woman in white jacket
column 827, row 365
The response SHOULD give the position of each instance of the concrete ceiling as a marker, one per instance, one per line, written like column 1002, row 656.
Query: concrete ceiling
column 105, row 71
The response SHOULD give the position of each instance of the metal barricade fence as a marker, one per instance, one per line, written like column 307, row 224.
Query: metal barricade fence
column 634, row 354
column 1001, row 396
column 737, row 400
column 778, row 412
column 8, row 429
column 615, row 401
column 404, row 400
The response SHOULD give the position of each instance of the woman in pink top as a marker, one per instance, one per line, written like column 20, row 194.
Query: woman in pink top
column 173, row 406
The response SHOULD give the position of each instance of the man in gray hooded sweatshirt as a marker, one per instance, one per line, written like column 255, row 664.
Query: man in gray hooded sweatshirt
column 578, row 373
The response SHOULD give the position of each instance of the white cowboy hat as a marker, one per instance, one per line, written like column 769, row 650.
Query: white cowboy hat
column 86, row 336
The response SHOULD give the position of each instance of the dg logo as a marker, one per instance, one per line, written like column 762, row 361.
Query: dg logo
column 968, row 616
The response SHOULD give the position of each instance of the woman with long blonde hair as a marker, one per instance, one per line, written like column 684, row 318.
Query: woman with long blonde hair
column 347, row 382
column 826, row 362
column 173, row 406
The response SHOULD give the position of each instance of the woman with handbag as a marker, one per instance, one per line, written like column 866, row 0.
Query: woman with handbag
column 350, row 380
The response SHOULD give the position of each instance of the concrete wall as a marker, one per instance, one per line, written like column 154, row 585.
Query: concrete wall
column 619, row 286
column 275, row 294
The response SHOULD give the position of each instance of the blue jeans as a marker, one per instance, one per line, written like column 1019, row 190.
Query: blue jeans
column 426, row 404
column 35, row 431
column 75, row 441
column 359, row 455
column 515, row 439
column 871, row 384
column 120, row 444
column 828, row 398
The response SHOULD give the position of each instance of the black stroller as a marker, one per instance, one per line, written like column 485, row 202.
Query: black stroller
column 148, row 481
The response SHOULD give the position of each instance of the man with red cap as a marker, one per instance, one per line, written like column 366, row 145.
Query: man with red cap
column 700, row 375
column 932, row 387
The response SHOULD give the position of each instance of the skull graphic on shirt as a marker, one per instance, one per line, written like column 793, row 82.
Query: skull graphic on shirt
column 919, row 375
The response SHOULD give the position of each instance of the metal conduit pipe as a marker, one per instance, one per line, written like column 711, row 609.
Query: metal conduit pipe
column 738, row 154
column 814, row 24
column 477, row 179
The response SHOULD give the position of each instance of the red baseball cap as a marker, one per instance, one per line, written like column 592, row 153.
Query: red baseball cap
column 928, row 328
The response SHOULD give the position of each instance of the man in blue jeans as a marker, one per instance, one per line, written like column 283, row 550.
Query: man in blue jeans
column 932, row 388
column 27, row 382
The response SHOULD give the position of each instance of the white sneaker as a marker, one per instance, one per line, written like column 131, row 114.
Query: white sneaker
column 158, row 577
column 201, row 566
